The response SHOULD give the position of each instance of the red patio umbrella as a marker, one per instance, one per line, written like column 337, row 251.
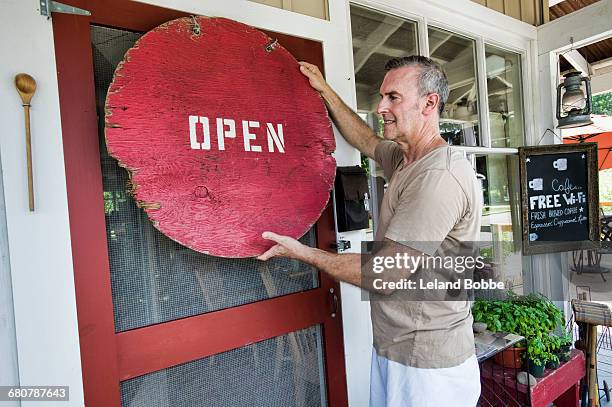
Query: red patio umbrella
column 599, row 132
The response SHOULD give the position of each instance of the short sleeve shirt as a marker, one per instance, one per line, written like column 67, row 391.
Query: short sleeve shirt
column 433, row 200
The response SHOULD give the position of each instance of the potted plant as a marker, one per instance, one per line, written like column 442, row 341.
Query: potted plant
column 552, row 343
column 536, row 314
column 539, row 356
column 532, row 316
column 565, row 346
column 553, row 362
column 499, row 315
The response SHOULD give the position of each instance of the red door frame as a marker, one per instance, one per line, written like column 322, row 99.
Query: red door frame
column 108, row 357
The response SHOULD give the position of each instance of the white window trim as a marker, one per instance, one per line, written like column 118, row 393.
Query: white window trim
column 483, row 94
column 515, row 36
column 494, row 29
column 456, row 16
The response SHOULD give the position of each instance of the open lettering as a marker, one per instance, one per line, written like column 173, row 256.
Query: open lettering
column 226, row 128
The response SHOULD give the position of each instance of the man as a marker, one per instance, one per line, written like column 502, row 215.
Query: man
column 424, row 351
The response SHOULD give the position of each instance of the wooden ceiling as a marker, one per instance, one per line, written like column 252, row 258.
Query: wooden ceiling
column 592, row 53
column 568, row 6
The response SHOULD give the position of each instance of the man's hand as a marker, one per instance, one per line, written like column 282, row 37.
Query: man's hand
column 314, row 76
column 285, row 247
column 343, row 267
column 353, row 129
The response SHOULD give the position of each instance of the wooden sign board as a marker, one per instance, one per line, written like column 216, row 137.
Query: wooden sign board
column 560, row 197
column 222, row 135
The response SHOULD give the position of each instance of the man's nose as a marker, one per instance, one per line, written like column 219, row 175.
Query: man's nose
column 382, row 107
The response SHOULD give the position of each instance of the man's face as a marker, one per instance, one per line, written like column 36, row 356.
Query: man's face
column 400, row 104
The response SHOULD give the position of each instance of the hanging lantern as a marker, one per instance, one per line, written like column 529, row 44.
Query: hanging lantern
column 573, row 107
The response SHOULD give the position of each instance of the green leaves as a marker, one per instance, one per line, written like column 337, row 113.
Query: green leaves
column 522, row 315
column 532, row 316
column 543, row 349
column 566, row 339
column 602, row 103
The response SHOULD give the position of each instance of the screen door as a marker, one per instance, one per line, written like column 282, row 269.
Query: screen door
column 162, row 325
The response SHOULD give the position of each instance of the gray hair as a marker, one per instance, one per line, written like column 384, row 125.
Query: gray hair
column 432, row 78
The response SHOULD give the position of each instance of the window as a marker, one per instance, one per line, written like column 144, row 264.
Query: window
column 505, row 97
column 501, row 219
column 457, row 56
column 377, row 38
column 500, row 234
column 495, row 89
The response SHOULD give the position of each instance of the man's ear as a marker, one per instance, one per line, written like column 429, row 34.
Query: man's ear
column 432, row 101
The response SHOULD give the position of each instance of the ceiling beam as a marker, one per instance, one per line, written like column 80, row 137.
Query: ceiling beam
column 458, row 94
column 392, row 52
column 434, row 45
column 601, row 64
column 585, row 26
column 504, row 81
column 376, row 39
column 459, row 68
column 578, row 62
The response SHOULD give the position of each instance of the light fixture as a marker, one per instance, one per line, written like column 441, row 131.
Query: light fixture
column 573, row 107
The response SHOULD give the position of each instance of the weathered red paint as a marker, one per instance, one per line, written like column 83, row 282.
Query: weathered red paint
column 86, row 209
column 141, row 350
column 559, row 386
column 218, row 194
column 335, row 373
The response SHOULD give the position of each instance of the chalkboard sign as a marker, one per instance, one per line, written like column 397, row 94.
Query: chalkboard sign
column 560, row 197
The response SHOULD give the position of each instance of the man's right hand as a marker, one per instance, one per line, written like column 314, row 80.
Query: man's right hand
column 354, row 130
column 315, row 77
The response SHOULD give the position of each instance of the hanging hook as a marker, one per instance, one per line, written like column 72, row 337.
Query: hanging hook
column 196, row 26
column 271, row 46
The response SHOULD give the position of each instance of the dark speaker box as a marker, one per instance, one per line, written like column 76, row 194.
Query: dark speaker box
column 351, row 187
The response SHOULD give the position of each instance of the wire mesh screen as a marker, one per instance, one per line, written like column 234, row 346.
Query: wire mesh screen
column 153, row 278
column 284, row 371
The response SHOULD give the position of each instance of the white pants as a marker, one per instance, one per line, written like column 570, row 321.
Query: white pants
column 395, row 385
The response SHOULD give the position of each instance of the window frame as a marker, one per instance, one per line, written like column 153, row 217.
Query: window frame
column 483, row 34
column 516, row 37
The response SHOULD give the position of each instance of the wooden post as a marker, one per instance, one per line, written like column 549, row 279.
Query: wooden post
column 593, row 385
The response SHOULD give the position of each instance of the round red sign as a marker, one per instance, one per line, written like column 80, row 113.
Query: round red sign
column 222, row 135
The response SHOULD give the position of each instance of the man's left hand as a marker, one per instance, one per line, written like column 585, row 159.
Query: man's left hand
column 285, row 247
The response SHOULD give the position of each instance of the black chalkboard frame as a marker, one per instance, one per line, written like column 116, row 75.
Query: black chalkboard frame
column 590, row 149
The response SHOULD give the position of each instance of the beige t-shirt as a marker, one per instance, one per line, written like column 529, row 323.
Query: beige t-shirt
column 434, row 199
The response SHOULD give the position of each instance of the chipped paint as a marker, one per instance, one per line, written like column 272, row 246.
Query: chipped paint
column 219, row 200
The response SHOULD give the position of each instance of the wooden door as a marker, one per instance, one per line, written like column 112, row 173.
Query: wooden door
column 159, row 324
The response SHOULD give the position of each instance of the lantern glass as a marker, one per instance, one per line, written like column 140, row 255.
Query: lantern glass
column 573, row 99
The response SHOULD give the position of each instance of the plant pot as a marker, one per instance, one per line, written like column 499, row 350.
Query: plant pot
column 564, row 356
column 510, row 358
column 535, row 370
column 552, row 364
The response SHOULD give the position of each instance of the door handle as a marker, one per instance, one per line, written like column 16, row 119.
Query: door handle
column 334, row 302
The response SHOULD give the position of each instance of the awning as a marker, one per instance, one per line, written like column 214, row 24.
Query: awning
column 599, row 132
